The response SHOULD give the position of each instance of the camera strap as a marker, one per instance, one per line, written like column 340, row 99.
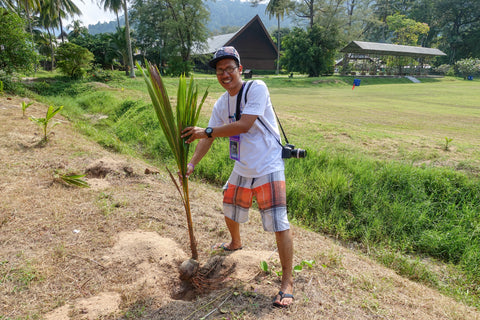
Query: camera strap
column 237, row 114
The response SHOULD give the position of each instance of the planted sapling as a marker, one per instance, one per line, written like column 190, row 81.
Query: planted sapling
column 447, row 143
column 25, row 106
column 43, row 122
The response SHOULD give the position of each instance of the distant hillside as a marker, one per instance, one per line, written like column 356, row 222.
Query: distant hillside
column 105, row 27
column 223, row 13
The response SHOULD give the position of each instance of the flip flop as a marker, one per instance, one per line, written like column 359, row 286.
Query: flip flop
column 282, row 296
column 224, row 248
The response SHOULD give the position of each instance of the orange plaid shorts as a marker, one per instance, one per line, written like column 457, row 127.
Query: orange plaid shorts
column 270, row 192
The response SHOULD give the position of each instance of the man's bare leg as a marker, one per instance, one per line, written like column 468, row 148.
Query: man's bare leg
column 234, row 229
column 285, row 251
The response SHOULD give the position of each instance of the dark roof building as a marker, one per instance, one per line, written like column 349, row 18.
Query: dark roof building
column 253, row 43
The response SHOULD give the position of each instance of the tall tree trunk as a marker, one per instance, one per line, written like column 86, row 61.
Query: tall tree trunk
column 31, row 30
column 129, row 43
column 61, row 29
column 278, row 45
column 52, row 50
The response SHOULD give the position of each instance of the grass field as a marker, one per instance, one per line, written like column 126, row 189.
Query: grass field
column 392, row 164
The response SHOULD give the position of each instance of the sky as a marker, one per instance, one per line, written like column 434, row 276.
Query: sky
column 91, row 13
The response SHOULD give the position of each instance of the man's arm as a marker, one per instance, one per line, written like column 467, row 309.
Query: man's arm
column 232, row 129
column 200, row 151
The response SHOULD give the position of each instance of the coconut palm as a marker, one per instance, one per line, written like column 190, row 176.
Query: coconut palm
column 278, row 8
column 114, row 6
column 118, row 44
column 77, row 29
column 64, row 8
column 8, row 4
column 48, row 19
column 187, row 112
column 129, row 42
column 29, row 6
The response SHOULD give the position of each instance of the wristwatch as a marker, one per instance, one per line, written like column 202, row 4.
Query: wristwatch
column 208, row 132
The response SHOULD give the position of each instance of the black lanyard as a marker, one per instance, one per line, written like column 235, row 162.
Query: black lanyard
column 239, row 100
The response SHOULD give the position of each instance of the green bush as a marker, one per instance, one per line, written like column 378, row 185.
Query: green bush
column 11, row 84
column 101, row 75
column 468, row 67
column 73, row 60
column 16, row 52
column 177, row 67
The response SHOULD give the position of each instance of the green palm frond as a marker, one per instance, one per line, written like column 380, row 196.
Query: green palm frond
column 75, row 180
column 187, row 114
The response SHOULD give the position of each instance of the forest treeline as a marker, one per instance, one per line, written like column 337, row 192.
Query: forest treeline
column 169, row 32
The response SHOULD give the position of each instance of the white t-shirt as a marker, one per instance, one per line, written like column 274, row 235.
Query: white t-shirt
column 260, row 153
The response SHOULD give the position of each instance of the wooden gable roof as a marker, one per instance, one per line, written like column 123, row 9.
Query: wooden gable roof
column 253, row 43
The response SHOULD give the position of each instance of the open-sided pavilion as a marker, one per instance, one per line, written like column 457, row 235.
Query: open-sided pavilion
column 377, row 52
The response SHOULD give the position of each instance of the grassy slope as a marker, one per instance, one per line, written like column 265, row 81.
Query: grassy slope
column 346, row 132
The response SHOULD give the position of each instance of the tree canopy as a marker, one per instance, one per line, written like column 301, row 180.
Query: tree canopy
column 16, row 49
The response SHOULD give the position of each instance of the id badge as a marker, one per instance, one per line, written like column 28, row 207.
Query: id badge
column 235, row 148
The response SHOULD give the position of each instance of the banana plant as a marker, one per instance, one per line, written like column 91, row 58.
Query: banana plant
column 187, row 112
column 43, row 122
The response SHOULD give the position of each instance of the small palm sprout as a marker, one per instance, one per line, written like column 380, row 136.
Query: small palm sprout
column 187, row 113
column 44, row 122
column 25, row 106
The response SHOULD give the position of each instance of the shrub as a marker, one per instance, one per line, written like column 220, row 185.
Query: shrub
column 101, row 75
column 11, row 84
column 177, row 67
column 16, row 51
column 73, row 60
column 445, row 69
column 468, row 67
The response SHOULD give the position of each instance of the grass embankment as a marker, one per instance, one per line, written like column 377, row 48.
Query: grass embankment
column 379, row 170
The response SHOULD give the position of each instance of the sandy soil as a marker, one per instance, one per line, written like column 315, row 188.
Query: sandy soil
column 112, row 251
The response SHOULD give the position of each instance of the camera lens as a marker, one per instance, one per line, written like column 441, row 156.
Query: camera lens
column 299, row 153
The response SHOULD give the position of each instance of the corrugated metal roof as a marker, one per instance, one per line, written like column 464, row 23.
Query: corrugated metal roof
column 390, row 49
column 216, row 42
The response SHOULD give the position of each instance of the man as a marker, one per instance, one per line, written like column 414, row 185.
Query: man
column 259, row 167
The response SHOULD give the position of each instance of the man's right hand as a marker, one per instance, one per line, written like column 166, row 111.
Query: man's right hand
column 190, row 168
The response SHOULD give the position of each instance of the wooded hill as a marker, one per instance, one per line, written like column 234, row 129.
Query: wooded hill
column 223, row 13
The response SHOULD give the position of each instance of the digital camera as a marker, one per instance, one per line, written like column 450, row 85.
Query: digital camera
column 289, row 151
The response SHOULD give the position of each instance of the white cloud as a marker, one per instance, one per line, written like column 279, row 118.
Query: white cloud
column 91, row 13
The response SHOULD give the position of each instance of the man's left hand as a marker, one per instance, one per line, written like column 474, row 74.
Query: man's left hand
column 193, row 133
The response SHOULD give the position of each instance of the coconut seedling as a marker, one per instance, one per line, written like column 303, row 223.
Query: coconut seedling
column 44, row 122
column 172, row 121
column 25, row 106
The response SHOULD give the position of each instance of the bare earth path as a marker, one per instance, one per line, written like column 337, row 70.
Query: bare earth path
column 111, row 251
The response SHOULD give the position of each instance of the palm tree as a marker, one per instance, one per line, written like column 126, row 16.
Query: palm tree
column 48, row 18
column 114, row 6
column 117, row 42
column 77, row 28
column 65, row 8
column 278, row 8
column 129, row 42
column 28, row 6
column 8, row 4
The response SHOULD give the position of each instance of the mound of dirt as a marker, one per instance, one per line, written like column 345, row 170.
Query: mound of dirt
column 100, row 168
